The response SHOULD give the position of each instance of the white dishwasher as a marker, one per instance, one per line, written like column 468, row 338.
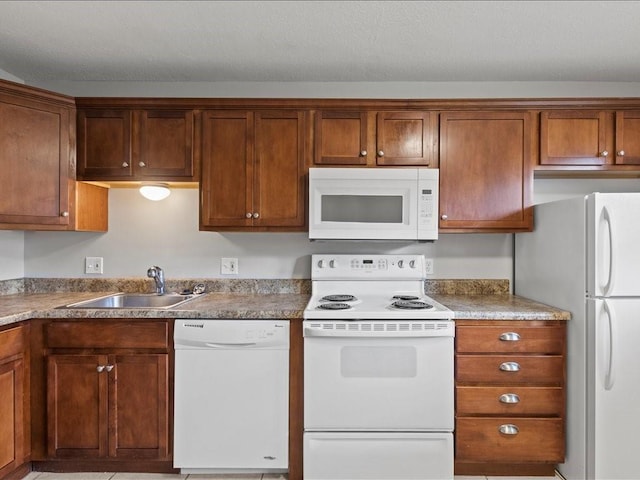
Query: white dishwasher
column 231, row 396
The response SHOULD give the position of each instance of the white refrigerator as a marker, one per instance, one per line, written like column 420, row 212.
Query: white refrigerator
column 584, row 256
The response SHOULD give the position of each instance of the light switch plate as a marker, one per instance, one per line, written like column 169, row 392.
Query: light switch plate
column 229, row 266
column 93, row 265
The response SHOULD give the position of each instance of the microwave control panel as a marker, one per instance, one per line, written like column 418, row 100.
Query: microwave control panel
column 428, row 201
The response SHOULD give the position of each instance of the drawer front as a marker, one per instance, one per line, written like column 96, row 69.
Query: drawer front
column 510, row 369
column 12, row 342
column 506, row 401
column 108, row 334
column 517, row 338
column 530, row 440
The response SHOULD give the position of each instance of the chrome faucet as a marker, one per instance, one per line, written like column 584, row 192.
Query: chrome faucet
column 157, row 274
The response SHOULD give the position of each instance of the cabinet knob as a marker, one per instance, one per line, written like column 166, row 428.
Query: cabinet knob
column 510, row 367
column 621, row 153
column 444, row 217
column 604, row 153
column 100, row 368
column 256, row 215
column 142, row 164
column 380, row 153
column 248, row 215
column 125, row 164
column 508, row 429
column 509, row 398
column 64, row 214
column 108, row 368
column 509, row 337
column 363, row 153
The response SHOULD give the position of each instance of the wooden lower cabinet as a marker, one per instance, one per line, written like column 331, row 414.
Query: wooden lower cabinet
column 108, row 391
column 510, row 397
column 14, row 405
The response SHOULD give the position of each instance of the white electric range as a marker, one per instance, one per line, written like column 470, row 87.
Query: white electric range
column 378, row 370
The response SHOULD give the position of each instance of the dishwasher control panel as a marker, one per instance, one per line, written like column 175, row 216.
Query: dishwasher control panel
column 230, row 334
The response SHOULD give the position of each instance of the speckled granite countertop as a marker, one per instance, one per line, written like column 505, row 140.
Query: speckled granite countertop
column 268, row 302
column 499, row 307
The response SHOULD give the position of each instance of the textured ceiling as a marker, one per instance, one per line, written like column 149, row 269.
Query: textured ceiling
column 321, row 41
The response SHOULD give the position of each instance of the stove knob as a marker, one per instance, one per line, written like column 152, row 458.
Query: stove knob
column 333, row 263
column 412, row 264
column 322, row 264
column 401, row 263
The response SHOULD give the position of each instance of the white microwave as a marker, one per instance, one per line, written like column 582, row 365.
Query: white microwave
column 373, row 204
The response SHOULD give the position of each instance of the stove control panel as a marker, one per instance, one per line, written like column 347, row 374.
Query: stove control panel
column 379, row 267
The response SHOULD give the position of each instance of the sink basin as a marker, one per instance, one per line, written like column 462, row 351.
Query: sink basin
column 134, row 300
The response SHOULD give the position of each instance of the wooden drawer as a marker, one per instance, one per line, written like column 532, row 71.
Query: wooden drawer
column 108, row 334
column 12, row 342
column 541, row 369
column 536, row 440
column 506, row 401
column 516, row 338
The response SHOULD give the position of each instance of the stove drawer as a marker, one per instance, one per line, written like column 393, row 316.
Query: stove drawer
column 510, row 439
column 529, row 401
column 377, row 456
column 510, row 369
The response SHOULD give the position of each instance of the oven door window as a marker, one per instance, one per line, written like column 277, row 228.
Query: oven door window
column 379, row 362
column 378, row 383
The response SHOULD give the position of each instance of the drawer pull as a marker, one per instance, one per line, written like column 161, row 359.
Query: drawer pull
column 508, row 429
column 509, row 398
column 510, row 337
column 510, row 367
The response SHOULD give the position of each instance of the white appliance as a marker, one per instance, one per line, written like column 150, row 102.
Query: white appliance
column 584, row 257
column 378, row 372
column 373, row 203
column 231, row 396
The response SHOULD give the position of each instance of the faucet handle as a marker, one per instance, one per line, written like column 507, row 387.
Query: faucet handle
column 198, row 288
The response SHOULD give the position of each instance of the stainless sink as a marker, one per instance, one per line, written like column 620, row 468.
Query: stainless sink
column 134, row 300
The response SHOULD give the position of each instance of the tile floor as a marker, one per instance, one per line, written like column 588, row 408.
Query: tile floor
column 164, row 476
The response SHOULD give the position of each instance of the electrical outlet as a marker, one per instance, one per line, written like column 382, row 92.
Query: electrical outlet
column 428, row 266
column 93, row 265
column 229, row 266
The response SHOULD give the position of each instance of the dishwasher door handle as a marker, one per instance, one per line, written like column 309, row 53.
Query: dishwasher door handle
column 230, row 345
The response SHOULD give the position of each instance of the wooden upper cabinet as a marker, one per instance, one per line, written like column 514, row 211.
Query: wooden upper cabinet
column 405, row 138
column 627, row 148
column 371, row 138
column 486, row 171
column 341, row 138
column 590, row 140
column 573, row 138
column 37, row 136
column 253, row 170
column 125, row 144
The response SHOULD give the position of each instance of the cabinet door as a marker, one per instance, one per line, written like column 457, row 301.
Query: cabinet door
column 279, row 180
column 12, row 434
column 341, row 138
column 573, row 138
column 104, row 144
column 77, row 406
column 405, row 138
column 486, row 171
column 628, row 138
column 35, row 158
column 226, row 187
column 163, row 144
column 139, row 406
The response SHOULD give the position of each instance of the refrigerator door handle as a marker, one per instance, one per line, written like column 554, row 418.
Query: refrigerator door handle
column 608, row 287
column 609, row 378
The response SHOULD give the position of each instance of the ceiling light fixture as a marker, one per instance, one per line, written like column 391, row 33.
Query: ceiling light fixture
column 155, row 192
